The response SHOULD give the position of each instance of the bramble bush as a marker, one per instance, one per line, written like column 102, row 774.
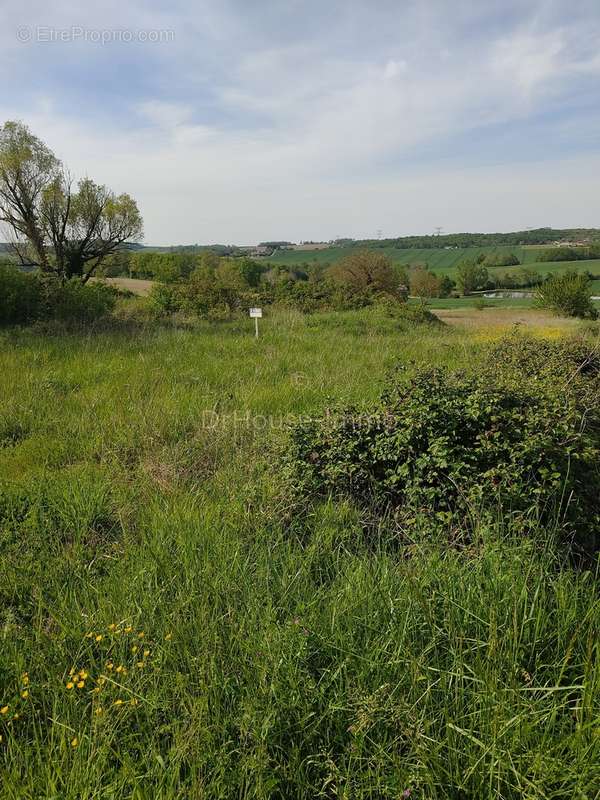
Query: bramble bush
column 450, row 444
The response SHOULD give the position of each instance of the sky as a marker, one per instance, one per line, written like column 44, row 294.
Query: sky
column 239, row 121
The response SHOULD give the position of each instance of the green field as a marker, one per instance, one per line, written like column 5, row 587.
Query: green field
column 443, row 262
column 229, row 648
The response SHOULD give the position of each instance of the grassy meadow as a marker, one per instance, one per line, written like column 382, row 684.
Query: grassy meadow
column 172, row 627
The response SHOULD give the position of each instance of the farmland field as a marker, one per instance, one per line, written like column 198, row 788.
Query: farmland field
column 170, row 629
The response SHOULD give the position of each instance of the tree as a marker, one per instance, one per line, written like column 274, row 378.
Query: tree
column 64, row 229
column 367, row 271
column 569, row 294
column 471, row 275
column 424, row 283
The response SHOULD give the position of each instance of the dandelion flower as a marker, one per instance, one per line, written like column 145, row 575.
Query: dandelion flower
column 109, row 665
column 128, row 629
column 83, row 674
column 99, row 637
column 74, row 741
column 168, row 637
column 80, row 684
column 25, row 679
column 99, row 711
column 25, row 694
column 146, row 653
column 118, row 702
column 141, row 635
column 70, row 685
column 4, row 709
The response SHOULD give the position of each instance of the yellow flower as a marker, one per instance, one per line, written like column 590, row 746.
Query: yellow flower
column 89, row 635
column 128, row 629
column 112, row 627
column 74, row 741
column 70, row 685
column 141, row 635
column 121, row 669
column 99, row 711
column 134, row 649
column 146, row 653
column 118, row 702
column 99, row 637
column 4, row 709
column 80, row 684
column 140, row 664
column 16, row 716
column 109, row 665
column 25, row 694
column 101, row 680
column 83, row 674
column 25, row 679
column 133, row 702
column 168, row 637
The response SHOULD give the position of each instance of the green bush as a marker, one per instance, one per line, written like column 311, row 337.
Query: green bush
column 30, row 297
column 450, row 445
column 569, row 294
column 77, row 302
column 21, row 296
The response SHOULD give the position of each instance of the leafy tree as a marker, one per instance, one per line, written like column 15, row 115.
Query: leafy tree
column 66, row 230
column 366, row 270
column 471, row 276
column 569, row 294
column 424, row 283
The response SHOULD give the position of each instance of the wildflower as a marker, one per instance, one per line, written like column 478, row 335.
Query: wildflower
column 141, row 635
column 109, row 665
column 70, row 684
column 168, row 637
column 133, row 702
column 140, row 664
column 25, row 679
column 80, row 684
column 16, row 716
column 74, row 741
column 99, row 711
column 99, row 637
column 134, row 649
column 146, row 653
column 118, row 702
column 83, row 674
column 112, row 627
column 4, row 709
column 25, row 694
column 128, row 629
column 101, row 680
column 89, row 635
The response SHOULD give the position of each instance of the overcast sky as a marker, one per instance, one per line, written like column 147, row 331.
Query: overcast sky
column 298, row 119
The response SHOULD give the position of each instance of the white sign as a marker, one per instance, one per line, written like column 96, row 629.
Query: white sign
column 256, row 312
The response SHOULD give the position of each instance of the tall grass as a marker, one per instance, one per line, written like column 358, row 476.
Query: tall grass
column 286, row 656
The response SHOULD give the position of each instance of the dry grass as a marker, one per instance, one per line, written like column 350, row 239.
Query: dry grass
column 499, row 320
column 137, row 286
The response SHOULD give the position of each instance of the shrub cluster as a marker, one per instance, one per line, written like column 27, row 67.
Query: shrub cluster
column 30, row 297
column 523, row 435
column 569, row 294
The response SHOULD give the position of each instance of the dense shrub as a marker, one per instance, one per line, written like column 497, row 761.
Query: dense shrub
column 450, row 444
column 501, row 260
column 569, row 294
column 21, row 296
column 29, row 297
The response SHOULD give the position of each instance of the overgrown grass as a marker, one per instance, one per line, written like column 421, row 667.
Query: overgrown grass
column 287, row 656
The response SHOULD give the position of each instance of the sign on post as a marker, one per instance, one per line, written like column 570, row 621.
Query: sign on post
column 256, row 314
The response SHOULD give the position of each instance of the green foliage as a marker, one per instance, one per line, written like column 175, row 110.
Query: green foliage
column 501, row 260
column 570, row 253
column 471, row 275
column 569, row 294
column 21, row 296
column 453, row 444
